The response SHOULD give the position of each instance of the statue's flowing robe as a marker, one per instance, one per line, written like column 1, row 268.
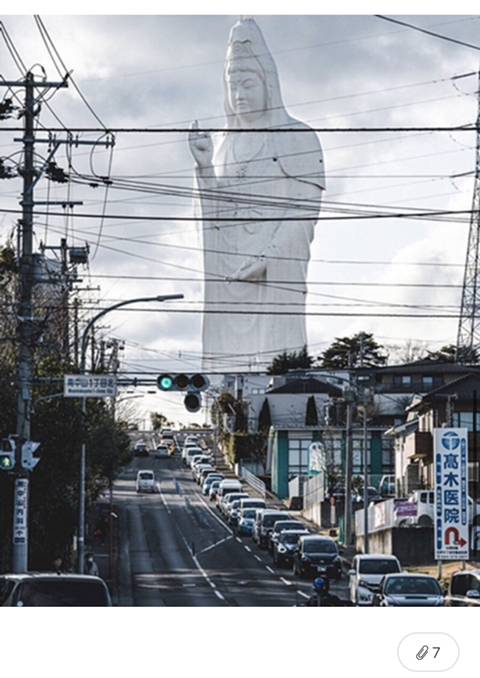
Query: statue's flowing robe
column 282, row 181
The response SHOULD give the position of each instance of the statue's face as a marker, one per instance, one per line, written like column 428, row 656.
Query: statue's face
column 246, row 92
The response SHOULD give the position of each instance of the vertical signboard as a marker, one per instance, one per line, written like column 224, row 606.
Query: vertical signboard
column 451, row 493
column 20, row 517
column 316, row 458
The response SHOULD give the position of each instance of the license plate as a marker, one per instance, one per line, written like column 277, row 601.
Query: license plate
column 321, row 568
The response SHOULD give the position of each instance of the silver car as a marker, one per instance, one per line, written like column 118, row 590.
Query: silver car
column 409, row 590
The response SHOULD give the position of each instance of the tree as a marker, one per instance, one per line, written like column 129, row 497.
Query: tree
column 360, row 350
column 295, row 360
column 265, row 417
column 311, row 416
column 448, row 354
column 409, row 352
column 159, row 421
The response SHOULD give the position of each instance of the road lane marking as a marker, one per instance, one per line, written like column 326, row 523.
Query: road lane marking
column 214, row 514
column 267, row 567
column 238, row 539
column 192, row 555
column 247, row 548
column 259, row 559
column 301, row 593
column 219, row 595
column 212, row 546
column 286, row 582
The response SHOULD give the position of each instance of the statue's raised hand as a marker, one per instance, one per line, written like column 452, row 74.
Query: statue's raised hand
column 201, row 145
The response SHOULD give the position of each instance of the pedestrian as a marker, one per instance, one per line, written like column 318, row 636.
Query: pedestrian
column 58, row 564
column 91, row 566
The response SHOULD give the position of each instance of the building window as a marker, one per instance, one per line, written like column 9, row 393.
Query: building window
column 465, row 420
column 298, row 457
column 427, row 383
column 406, row 380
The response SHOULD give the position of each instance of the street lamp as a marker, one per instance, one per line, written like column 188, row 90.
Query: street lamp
column 83, row 453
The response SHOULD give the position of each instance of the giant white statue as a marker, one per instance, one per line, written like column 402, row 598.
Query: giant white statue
column 259, row 195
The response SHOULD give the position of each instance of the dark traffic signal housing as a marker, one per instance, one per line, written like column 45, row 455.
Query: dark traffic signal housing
column 192, row 384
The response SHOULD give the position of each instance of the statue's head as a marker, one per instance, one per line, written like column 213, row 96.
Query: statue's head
column 251, row 81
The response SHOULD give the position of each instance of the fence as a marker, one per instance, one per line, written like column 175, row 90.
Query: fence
column 254, row 482
column 381, row 516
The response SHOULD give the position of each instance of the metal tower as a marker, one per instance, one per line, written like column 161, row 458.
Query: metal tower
column 468, row 338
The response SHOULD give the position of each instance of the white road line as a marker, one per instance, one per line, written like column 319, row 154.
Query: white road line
column 238, row 539
column 194, row 558
column 212, row 546
column 269, row 569
column 214, row 514
column 301, row 593
column 286, row 582
column 247, row 548
column 259, row 559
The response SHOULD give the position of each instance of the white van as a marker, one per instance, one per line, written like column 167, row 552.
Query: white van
column 146, row 481
column 226, row 487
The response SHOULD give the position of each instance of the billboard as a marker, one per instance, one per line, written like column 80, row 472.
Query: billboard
column 450, row 449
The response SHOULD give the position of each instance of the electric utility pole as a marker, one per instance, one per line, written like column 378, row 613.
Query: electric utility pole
column 25, row 321
column 31, row 171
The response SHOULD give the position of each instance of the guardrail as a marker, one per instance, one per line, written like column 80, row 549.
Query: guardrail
column 255, row 482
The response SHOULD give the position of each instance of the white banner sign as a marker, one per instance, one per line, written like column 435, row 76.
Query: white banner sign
column 88, row 386
column 451, row 493
column 20, row 511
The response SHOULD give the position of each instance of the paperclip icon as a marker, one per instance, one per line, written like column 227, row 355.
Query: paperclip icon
column 422, row 653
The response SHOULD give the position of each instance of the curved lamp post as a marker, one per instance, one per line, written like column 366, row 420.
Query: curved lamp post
column 83, row 454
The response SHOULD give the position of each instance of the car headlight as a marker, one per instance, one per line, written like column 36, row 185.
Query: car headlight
column 282, row 549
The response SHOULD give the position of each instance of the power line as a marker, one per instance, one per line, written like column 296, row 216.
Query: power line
column 427, row 32
column 256, row 130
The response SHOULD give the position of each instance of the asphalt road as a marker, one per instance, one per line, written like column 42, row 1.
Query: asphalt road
column 176, row 550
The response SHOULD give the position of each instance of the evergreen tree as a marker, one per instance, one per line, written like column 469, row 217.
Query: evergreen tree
column 295, row 360
column 359, row 350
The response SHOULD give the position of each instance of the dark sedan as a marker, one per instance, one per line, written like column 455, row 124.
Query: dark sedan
column 316, row 556
column 409, row 590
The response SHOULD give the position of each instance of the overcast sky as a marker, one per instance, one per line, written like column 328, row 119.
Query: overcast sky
column 334, row 71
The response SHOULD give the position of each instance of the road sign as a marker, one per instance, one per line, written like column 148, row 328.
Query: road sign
column 451, row 493
column 20, row 517
column 89, row 386
column 29, row 461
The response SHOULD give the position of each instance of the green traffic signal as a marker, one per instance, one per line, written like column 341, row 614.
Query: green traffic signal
column 165, row 382
column 6, row 462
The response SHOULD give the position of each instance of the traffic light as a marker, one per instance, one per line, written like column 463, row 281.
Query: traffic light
column 7, row 454
column 182, row 382
column 7, row 461
column 193, row 384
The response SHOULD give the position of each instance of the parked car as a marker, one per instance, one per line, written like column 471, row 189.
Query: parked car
column 145, row 481
column 190, row 453
column 227, row 486
column 204, row 473
column 228, row 499
column 317, row 555
column 285, row 547
column 280, row 526
column 212, row 492
column 207, row 483
column 464, row 589
column 373, row 495
column 140, row 450
column 202, row 466
column 246, row 521
column 367, row 572
column 409, row 590
column 162, row 451
column 264, row 523
column 53, row 590
column 246, row 502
